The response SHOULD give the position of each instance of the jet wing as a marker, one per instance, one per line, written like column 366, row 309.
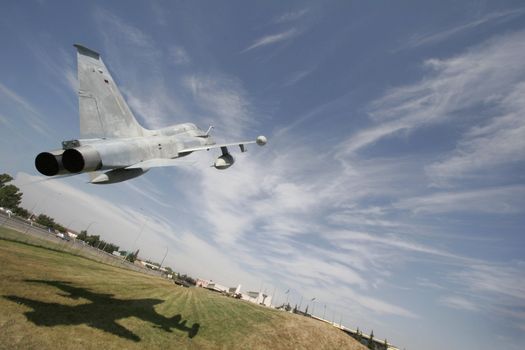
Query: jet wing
column 208, row 147
column 159, row 162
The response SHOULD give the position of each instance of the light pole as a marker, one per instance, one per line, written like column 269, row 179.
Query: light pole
column 138, row 236
column 162, row 262
column 89, row 225
column 324, row 313
column 313, row 306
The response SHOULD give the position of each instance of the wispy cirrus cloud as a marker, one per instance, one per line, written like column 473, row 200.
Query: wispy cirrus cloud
column 32, row 117
column 495, row 289
column 223, row 101
column 458, row 302
column 291, row 16
column 507, row 199
column 498, row 143
column 298, row 76
column 115, row 28
column 504, row 280
column 426, row 39
column 453, row 88
column 272, row 39
column 179, row 55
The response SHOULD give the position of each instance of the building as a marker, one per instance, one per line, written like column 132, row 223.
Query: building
column 253, row 297
column 257, row 298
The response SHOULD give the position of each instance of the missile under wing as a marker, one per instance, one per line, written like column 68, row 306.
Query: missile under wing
column 113, row 146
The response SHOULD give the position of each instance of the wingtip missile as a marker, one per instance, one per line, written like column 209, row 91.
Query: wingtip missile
column 261, row 140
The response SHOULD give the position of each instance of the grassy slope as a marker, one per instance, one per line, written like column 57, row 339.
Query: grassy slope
column 51, row 299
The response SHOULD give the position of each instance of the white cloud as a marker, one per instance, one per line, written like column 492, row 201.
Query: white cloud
column 502, row 200
column 291, row 16
column 496, row 289
column 453, row 89
column 391, row 243
column 503, row 280
column 457, row 302
column 115, row 27
column 223, row 101
column 155, row 103
column 13, row 96
column 298, row 76
column 3, row 120
column 420, row 40
column 485, row 148
column 179, row 55
column 272, row 39
column 32, row 117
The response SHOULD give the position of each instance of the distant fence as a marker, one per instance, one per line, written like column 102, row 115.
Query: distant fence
column 74, row 246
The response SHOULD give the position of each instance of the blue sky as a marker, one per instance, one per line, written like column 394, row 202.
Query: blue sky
column 392, row 186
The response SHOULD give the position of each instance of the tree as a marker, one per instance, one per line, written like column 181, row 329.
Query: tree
column 93, row 240
column 110, row 247
column 358, row 335
column 371, row 344
column 133, row 256
column 22, row 212
column 10, row 195
column 188, row 279
column 82, row 235
column 5, row 178
column 46, row 221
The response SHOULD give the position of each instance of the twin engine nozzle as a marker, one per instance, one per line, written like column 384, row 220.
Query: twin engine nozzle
column 71, row 160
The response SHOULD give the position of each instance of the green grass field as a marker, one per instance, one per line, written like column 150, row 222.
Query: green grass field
column 50, row 299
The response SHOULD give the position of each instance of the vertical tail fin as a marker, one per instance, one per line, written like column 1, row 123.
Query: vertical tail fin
column 103, row 110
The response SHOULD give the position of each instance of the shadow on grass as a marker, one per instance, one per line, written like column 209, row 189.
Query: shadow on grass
column 101, row 312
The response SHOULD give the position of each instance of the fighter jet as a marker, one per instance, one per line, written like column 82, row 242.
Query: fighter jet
column 113, row 146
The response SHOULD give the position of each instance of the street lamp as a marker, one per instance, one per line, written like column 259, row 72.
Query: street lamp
column 89, row 225
column 162, row 262
column 138, row 236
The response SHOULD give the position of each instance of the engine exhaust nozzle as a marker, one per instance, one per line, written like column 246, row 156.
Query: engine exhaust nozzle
column 83, row 158
column 50, row 163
